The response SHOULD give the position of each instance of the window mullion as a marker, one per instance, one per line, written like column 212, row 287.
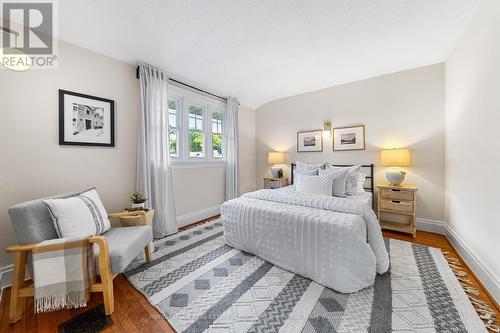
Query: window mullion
column 208, row 127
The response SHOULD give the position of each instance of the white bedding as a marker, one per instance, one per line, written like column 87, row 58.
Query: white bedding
column 336, row 242
column 365, row 197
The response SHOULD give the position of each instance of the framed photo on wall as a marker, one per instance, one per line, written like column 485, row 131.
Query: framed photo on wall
column 349, row 138
column 310, row 141
column 86, row 120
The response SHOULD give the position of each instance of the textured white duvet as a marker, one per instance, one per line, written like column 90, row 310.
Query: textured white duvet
column 336, row 242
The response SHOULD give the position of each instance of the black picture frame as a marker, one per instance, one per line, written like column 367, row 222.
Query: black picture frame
column 62, row 111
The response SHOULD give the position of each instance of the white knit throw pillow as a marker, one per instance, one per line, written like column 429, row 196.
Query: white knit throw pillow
column 314, row 184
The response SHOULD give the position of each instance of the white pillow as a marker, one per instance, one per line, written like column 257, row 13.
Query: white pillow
column 302, row 168
column 315, row 184
column 80, row 215
column 351, row 187
column 360, row 182
column 339, row 181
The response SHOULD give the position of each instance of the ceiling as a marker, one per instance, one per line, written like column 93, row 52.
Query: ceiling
column 262, row 50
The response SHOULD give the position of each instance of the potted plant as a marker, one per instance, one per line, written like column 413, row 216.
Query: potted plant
column 138, row 200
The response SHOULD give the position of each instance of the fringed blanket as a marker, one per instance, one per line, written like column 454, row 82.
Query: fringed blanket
column 61, row 274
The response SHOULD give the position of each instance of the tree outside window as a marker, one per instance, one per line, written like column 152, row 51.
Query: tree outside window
column 217, row 134
column 196, row 135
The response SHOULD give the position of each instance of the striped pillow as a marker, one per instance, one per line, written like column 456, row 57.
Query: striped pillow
column 80, row 215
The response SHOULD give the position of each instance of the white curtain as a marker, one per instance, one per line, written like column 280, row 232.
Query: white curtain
column 154, row 177
column 232, row 156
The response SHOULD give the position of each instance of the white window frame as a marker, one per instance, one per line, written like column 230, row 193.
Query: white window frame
column 184, row 98
column 211, row 110
column 178, row 105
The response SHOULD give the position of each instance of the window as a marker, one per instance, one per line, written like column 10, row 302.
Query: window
column 196, row 134
column 196, row 126
column 172, row 127
column 217, row 134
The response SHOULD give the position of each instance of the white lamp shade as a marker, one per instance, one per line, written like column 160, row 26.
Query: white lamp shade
column 274, row 157
column 395, row 157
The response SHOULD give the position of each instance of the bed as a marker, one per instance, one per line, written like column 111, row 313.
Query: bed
column 336, row 242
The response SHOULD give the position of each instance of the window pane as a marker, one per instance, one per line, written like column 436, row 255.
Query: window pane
column 173, row 142
column 195, row 143
column 217, row 122
column 172, row 113
column 217, row 145
column 196, row 118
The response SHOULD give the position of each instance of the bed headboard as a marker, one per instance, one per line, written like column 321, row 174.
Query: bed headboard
column 367, row 169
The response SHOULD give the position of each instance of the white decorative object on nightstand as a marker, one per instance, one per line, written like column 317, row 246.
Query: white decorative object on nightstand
column 397, row 207
column 271, row 183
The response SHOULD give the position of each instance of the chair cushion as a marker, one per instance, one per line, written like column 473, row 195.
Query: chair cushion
column 125, row 244
column 32, row 221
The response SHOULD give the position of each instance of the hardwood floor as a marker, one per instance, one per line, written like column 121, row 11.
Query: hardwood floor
column 133, row 313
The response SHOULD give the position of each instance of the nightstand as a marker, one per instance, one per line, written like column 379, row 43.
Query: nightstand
column 396, row 208
column 275, row 182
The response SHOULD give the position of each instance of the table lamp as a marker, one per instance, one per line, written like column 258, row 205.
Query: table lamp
column 395, row 159
column 274, row 158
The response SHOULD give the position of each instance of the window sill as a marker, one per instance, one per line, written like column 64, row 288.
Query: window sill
column 193, row 164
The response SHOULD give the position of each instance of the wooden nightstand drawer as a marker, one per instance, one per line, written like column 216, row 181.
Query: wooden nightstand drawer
column 272, row 183
column 396, row 194
column 397, row 205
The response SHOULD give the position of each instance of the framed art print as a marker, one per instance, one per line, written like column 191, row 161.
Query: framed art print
column 86, row 120
column 310, row 141
column 349, row 138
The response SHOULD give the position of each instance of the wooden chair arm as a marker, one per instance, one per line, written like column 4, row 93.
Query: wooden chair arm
column 20, row 248
column 99, row 240
column 102, row 243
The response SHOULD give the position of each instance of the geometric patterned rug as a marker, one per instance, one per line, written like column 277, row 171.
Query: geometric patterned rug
column 200, row 284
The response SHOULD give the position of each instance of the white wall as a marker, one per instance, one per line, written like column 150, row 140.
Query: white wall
column 405, row 109
column 33, row 165
column 473, row 145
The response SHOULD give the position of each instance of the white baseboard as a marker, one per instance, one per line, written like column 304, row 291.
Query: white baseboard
column 437, row 227
column 199, row 215
column 487, row 278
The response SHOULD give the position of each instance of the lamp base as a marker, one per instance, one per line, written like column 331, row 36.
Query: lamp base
column 395, row 177
column 277, row 172
column 274, row 172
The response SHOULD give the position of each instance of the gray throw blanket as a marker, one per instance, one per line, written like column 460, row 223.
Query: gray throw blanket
column 61, row 274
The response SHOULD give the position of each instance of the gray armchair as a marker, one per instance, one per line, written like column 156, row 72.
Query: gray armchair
column 114, row 250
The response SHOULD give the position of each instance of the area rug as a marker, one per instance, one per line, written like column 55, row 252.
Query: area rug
column 200, row 284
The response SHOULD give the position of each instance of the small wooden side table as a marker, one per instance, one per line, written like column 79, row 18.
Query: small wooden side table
column 136, row 218
column 397, row 207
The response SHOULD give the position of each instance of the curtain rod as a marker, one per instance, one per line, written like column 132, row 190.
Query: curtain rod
column 186, row 85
